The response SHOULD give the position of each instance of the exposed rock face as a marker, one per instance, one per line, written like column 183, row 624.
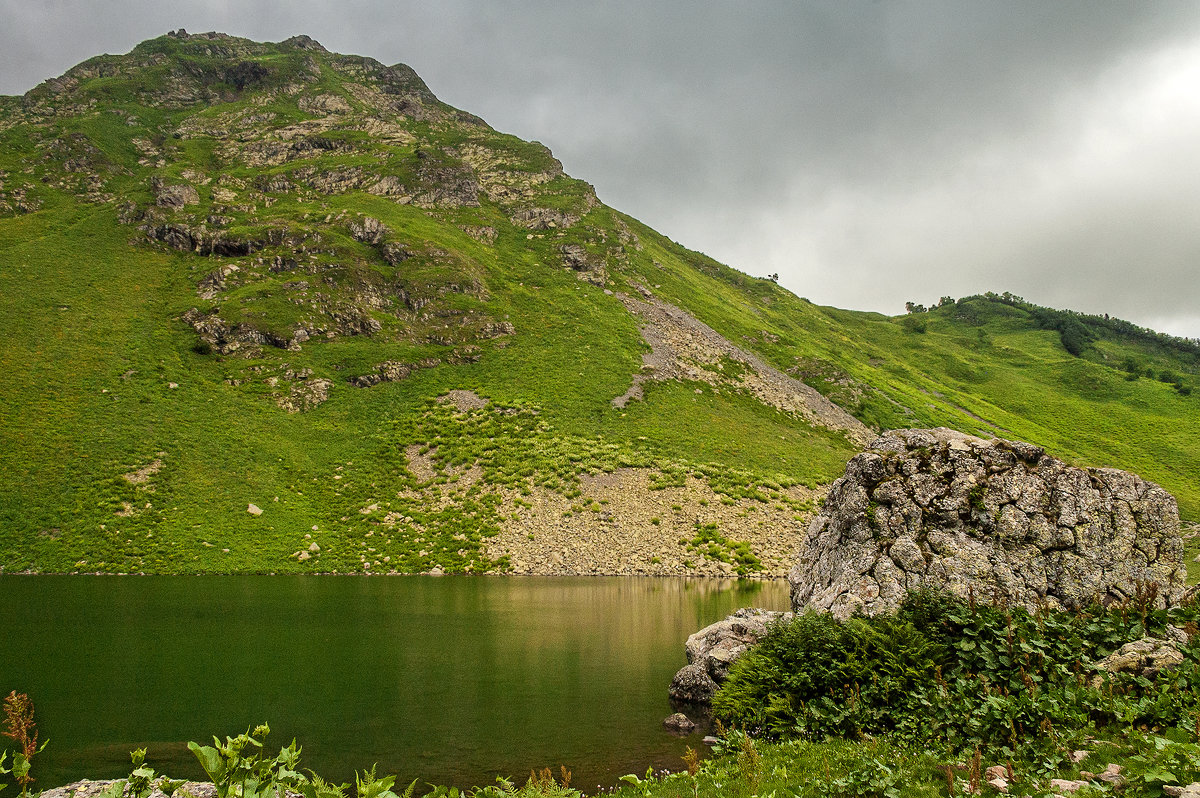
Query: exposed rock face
column 175, row 196
column 999, row 518
column 712, row 650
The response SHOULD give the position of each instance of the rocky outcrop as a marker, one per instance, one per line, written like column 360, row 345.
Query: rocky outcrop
column 712, row 650
column 999, row 519
column 305, row 395
column 174, row 196
column 387, row 371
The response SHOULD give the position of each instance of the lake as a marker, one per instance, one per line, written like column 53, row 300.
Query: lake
column 451, row 680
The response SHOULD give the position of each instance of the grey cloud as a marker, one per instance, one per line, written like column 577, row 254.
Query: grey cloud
column 868, row 152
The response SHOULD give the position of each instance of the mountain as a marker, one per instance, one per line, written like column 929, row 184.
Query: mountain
column 271, row 308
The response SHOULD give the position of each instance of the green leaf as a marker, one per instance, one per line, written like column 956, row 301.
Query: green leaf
column 211, row 760
column 114, row 790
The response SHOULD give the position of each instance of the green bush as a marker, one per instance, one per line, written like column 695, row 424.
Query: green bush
column 817, row 677
column 955, row 675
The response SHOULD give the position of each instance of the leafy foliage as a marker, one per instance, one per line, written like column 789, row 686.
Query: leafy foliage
column 957, row 676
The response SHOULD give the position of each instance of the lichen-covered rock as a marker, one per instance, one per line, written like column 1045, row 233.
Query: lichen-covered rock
column 692, row 684
column 712, row 650
column 998, row 518
column 1145, row 657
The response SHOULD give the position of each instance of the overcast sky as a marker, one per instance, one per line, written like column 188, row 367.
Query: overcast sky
column 868, row 152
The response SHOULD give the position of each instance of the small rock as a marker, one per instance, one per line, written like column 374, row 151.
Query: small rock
column 302, row 555
column 710, row 740
column 1112, row 774
column 679, row 723
column 996, row 772
column 1177, row 635
column 254, row 509
column 1190, row 791
column 314, row 547
column 1067, row 785
column 713, row 649
column 1145, row 657
column 172, row 385
column 1078, row 756
column 999, row 783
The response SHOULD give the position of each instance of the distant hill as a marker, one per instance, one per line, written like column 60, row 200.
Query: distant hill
column 268, row 308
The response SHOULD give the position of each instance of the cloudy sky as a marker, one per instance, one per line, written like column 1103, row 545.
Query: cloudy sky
column 868, row 152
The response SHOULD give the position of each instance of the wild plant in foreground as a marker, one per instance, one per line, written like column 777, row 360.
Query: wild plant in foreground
column 20, row 727
column 141, row 781
column 238, row 767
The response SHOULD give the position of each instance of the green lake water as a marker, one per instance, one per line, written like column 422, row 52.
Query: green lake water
column 451, row 680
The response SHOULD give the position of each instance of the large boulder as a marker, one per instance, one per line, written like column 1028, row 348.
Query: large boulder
column 994, row 518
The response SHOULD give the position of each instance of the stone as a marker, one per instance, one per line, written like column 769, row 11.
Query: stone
column 1175, row 791
column 92, row 789
column 712, row 650
column 369, row 230
column 1110, row 775
column 996, row 772
column 314, row 547
column 693, row 685
column 679, row 723
column 254, row 509
column 1067, row 785
column 999, row 784
column 1146, row 657
column 994, row 518
column 174, row 196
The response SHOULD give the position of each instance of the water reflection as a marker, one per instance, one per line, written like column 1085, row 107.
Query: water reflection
column 452, row 680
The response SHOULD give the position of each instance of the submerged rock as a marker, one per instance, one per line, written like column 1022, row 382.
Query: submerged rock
column 999, row 519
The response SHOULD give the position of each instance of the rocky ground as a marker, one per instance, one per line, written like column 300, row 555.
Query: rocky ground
column 683, row 347
column 620, row 526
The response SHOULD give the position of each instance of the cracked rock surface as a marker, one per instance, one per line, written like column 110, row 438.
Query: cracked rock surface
column 712, row 650
column 994, row 518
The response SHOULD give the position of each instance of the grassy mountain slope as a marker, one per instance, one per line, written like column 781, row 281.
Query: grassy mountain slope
column 235, row 273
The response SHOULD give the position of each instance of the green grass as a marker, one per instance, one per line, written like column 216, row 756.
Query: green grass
column 94, row 336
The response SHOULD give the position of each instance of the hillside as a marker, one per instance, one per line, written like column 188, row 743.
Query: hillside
column 271, row 308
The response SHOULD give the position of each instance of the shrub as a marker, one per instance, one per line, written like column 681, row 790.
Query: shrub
column 947, row 673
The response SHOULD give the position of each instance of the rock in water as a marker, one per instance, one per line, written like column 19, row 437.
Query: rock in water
column 714, row 648
column 997, row 518
column 679, row 723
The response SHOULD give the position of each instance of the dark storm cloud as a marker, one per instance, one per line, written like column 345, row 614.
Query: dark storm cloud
column 868, row 152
